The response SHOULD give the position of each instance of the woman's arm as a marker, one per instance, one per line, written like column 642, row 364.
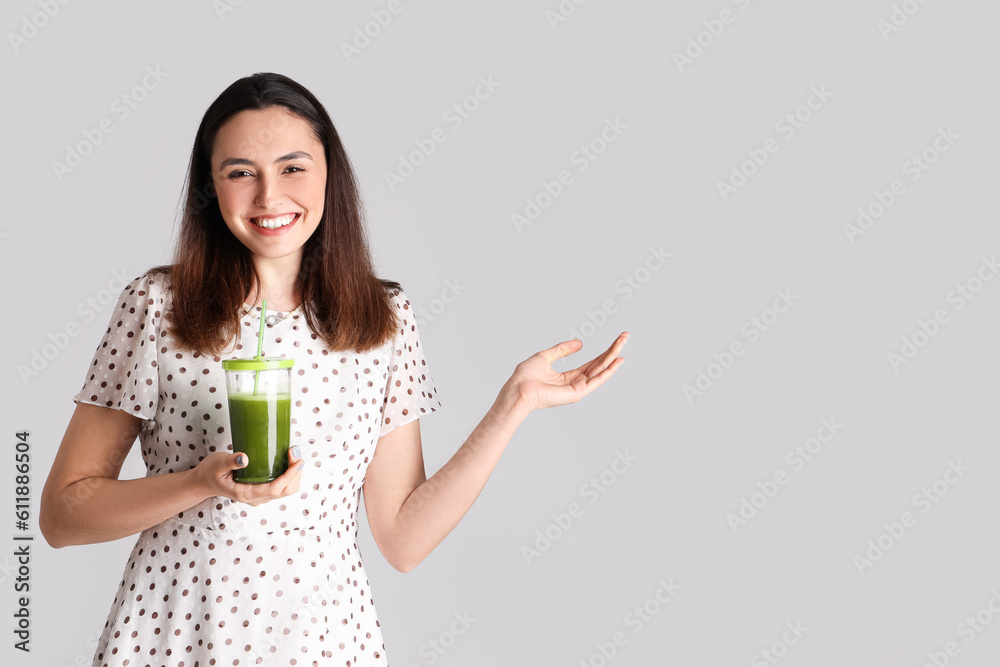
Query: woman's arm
column 84, row 502
column 409, row 514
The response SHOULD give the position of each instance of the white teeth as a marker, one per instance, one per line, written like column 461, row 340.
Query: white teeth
column 274, row 223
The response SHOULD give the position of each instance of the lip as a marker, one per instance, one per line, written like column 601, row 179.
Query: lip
column 263, row 231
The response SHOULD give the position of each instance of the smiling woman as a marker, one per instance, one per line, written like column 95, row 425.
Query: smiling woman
column 266, row 149
column 242, row 574
column 272, row 201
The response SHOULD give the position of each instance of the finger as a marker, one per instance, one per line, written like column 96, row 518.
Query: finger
column 293, row 484
column 601, row 361
column 597, row 380
column 561, row 350
column 614, row 351
column 583, row 385
column 288, row 482
column 291, row 475
column 617, row 344
column 238, row 460
column 255, row 494
column 284, row 484
column 243, row 493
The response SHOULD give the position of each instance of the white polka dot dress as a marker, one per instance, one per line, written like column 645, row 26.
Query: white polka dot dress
column 227, row 583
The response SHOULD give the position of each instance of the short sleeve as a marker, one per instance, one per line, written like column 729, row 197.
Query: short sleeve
column 409, row 391
column 123, row 374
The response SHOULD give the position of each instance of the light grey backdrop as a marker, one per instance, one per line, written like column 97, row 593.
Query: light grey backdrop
column 679, row 169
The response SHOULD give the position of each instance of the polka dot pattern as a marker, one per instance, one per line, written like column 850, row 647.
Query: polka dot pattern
column 226, row 583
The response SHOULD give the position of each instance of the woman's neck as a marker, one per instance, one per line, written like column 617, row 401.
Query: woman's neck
column 277, row 284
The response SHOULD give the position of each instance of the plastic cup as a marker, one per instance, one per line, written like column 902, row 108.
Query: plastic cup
column 260, row 405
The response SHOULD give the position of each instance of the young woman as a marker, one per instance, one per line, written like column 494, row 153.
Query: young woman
column 270, row 573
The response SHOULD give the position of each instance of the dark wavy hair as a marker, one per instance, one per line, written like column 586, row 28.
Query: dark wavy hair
column 213, row 273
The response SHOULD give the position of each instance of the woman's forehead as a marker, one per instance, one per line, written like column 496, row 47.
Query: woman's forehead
column 265, row 131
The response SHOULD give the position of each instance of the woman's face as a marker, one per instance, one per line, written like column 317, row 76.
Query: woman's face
column 269, row 171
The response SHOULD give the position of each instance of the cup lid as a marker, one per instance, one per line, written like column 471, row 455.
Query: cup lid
column 255, row 364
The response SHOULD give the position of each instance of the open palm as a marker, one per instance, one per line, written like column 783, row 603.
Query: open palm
column 541, row 386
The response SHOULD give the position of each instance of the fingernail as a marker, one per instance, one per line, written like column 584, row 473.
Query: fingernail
column 295, row 452
column 239, row 460
column 301, row 465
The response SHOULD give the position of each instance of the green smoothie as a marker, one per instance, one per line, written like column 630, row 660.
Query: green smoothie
column 260, row 425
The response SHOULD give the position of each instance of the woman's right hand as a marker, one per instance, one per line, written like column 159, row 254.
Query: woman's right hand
column 214, row 476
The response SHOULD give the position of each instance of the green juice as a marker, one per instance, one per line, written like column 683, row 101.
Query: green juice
column 261, row 425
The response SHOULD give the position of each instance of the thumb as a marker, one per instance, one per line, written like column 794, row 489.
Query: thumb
column 238, row 460
column 562, row 349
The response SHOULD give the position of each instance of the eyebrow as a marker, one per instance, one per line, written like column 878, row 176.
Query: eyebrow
column 294, row 155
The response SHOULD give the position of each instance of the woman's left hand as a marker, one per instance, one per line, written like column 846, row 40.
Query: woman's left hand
column 537, row 385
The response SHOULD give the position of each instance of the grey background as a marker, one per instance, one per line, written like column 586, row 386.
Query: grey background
column 656, row 185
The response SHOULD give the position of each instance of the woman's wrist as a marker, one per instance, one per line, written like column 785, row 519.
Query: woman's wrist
column 510, row 404
column 193, row 483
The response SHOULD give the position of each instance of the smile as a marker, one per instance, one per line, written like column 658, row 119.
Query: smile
column 268, row 222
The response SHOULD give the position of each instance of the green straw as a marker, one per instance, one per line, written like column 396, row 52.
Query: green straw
column 260, row 343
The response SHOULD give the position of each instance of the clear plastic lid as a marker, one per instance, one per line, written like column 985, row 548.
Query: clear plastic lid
column 257, row 363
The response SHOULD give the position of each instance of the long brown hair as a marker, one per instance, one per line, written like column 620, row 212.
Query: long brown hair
column 213, row 273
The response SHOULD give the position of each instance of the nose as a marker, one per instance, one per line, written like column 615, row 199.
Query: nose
column 269, row 193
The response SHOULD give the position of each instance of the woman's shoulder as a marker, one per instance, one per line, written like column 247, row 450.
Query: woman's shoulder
column 153, row 283
column 396, row 294
column 403, row 310
column 159, row 275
